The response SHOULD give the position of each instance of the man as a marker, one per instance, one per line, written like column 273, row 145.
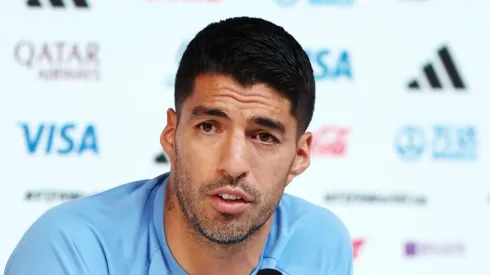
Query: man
column 244, row 96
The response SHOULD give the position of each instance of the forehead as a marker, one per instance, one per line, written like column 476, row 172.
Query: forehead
column 225, row 93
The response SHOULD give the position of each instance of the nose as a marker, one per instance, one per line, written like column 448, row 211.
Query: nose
column 233, row 157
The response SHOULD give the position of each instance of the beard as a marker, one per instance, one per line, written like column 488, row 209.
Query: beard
column 216, row 227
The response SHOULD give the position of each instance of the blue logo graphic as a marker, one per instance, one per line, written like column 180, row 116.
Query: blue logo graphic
column 331, row 2
column 287, row 3
column 60, row 139
column 170, row 80
column 329, row 64
column 410, row 142
column 444, row 142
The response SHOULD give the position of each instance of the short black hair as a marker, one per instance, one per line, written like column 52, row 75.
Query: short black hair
column 251, row 51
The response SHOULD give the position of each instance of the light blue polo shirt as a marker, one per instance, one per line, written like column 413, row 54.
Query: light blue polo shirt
column 120, row 231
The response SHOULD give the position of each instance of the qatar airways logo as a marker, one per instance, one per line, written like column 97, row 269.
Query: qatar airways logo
column 357, row 244
column 330, row 141
column 60, row 60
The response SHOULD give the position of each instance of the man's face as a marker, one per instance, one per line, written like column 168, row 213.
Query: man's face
column 234, row 151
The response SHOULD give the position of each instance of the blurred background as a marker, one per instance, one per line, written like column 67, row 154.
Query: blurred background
column 400, row 125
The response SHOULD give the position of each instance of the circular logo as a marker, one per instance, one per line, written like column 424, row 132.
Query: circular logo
column 286, row 2
column 410, row 142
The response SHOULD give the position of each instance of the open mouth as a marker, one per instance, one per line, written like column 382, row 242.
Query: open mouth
column 229, row 204
column 230, row 198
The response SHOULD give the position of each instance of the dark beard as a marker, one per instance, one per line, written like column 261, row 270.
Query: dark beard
column 218, row 232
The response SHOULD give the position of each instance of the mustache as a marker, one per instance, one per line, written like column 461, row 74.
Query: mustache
column 230, row 181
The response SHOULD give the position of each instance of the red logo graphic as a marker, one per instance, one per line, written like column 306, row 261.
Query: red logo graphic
column 356, row 246
column 330, row 140
column 60, row 60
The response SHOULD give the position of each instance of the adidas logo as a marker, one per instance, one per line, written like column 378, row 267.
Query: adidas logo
column 449, row 75
column 161, row 158
column 59, row 3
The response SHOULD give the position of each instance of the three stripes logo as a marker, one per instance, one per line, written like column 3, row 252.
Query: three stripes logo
column 58, row 3
column 449, row 74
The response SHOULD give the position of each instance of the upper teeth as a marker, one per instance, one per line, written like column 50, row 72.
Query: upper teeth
column 229, row 197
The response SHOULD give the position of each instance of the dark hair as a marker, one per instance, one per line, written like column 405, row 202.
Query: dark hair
column 250, row 50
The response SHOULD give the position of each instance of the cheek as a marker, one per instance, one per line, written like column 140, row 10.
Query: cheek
column 272, row 175
column 198, row 158
column 272, row 161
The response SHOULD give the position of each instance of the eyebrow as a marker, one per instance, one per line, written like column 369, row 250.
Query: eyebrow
column 205, row 111
column 269, row 123
column 259, row 120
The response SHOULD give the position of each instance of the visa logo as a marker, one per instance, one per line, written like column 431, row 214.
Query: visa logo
column 60, row 139
column 328, row 64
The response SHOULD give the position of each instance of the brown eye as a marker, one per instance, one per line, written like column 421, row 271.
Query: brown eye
column 266, row 138
column 206, row 127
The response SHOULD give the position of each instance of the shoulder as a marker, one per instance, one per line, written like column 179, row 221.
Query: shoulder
column 60, row 241
column 310, row 221
column 74, row 236
column 313, row 238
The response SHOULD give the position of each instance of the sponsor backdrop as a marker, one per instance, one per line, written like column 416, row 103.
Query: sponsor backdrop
column 400, row 127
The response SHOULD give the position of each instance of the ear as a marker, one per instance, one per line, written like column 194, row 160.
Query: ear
column 302, row 159
column 167, row 137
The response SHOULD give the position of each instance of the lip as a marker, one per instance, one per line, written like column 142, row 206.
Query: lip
column 229, row 207
column 232, row 191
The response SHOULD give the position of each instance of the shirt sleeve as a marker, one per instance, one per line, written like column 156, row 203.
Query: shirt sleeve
column 346, row 258
column 346, row 268
column 57, row 244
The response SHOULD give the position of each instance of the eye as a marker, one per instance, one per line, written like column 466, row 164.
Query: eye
column 207, row 127
column 266, row 138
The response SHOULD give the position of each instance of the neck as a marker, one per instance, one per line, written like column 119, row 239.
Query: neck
column 197, row 255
